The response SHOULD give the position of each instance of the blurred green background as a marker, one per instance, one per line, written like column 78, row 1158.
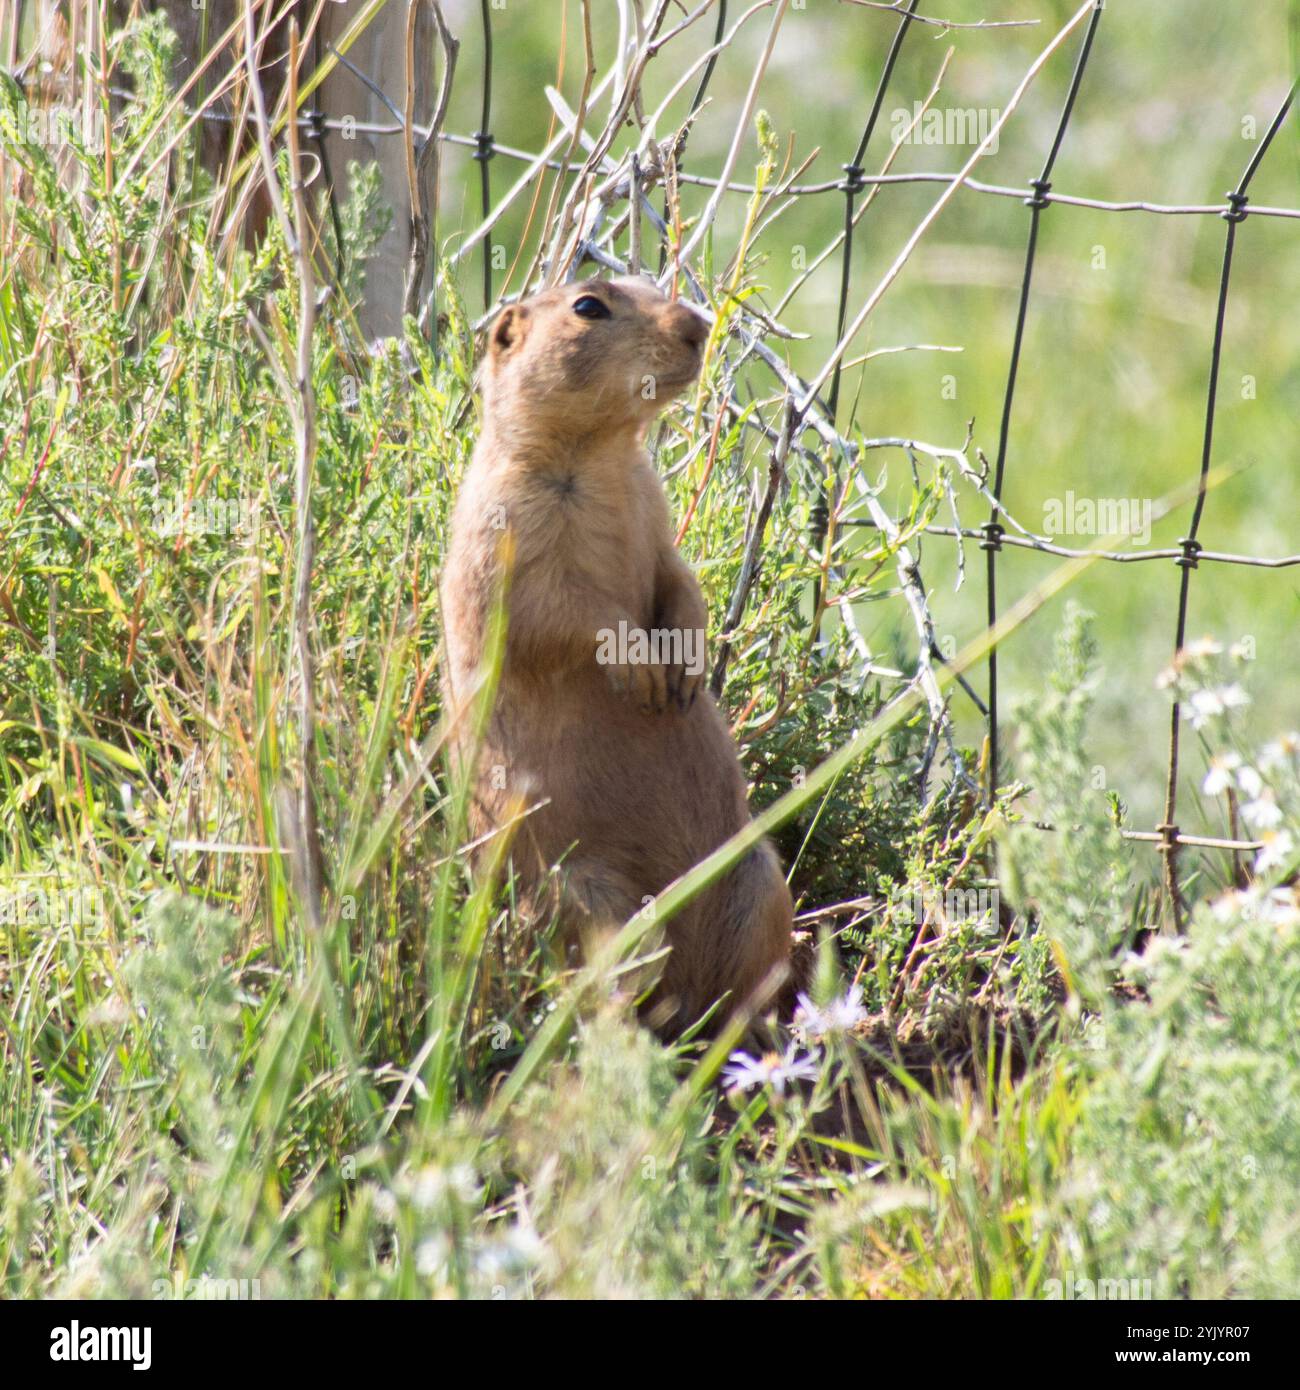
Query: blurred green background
column 1111, row 394
column 1112, row 388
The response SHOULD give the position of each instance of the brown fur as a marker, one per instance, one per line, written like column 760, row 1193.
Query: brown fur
column 635, row 762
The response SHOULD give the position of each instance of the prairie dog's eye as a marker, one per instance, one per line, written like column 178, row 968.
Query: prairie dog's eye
column 589, row 307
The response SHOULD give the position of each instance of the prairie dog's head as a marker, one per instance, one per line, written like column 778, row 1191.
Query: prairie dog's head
column 597, row 354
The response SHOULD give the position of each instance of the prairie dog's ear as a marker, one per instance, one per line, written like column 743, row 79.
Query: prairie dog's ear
column 508, row 329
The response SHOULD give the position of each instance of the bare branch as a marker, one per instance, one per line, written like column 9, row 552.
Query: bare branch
column 422, row 166
column 897, row 9
column 301, row 403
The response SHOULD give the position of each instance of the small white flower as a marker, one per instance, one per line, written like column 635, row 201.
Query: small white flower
column 1161, row 946
column 385, row 1205
column 1282, row 750
column 1278, row 847
column 1167, row 678
column 110, row 1012
column 841, row 1015
column 1201, row 707
column 433, row 1184
column 1219, row 778
column 1275, row 906
column 1281, row 907
column 463, row 1181
column 427, row 1187
column 1250, row 782
column 1263, row 812
column 744, row 1072
column 1232, row 904
column 513, row 1253
column 431, row 1256
column 1207, row 704
column 1202, row 647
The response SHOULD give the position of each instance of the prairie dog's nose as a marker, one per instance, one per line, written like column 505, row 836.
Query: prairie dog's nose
column 686, row 323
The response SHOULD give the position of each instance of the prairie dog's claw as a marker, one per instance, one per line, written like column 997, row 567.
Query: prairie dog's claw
column 645, row 684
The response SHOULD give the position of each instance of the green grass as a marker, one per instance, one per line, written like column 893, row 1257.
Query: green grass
column 420, row 1096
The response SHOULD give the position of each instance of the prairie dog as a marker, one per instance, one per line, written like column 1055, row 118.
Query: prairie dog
column 601, row 710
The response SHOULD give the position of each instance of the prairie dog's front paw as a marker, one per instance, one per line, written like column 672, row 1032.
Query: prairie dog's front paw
column 684, row 685
column 683, row 652
column 644, row 684
column 657, row 668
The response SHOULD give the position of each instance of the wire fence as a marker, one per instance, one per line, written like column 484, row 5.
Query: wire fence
column 993, row 535
column 601, row 183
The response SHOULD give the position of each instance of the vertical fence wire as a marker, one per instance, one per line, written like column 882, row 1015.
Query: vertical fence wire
column 485, row 148
column 1235, row 215
column 853, row 185
column 992, row 529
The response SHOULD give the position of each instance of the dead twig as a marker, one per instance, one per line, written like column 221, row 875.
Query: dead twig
column 422, row 165
column 301, row 402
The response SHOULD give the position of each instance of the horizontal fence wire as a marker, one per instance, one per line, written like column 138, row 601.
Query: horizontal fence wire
column 313, row 121
column 1029, row 541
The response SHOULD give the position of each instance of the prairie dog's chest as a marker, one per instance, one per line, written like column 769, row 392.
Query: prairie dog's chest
column 587, row 522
